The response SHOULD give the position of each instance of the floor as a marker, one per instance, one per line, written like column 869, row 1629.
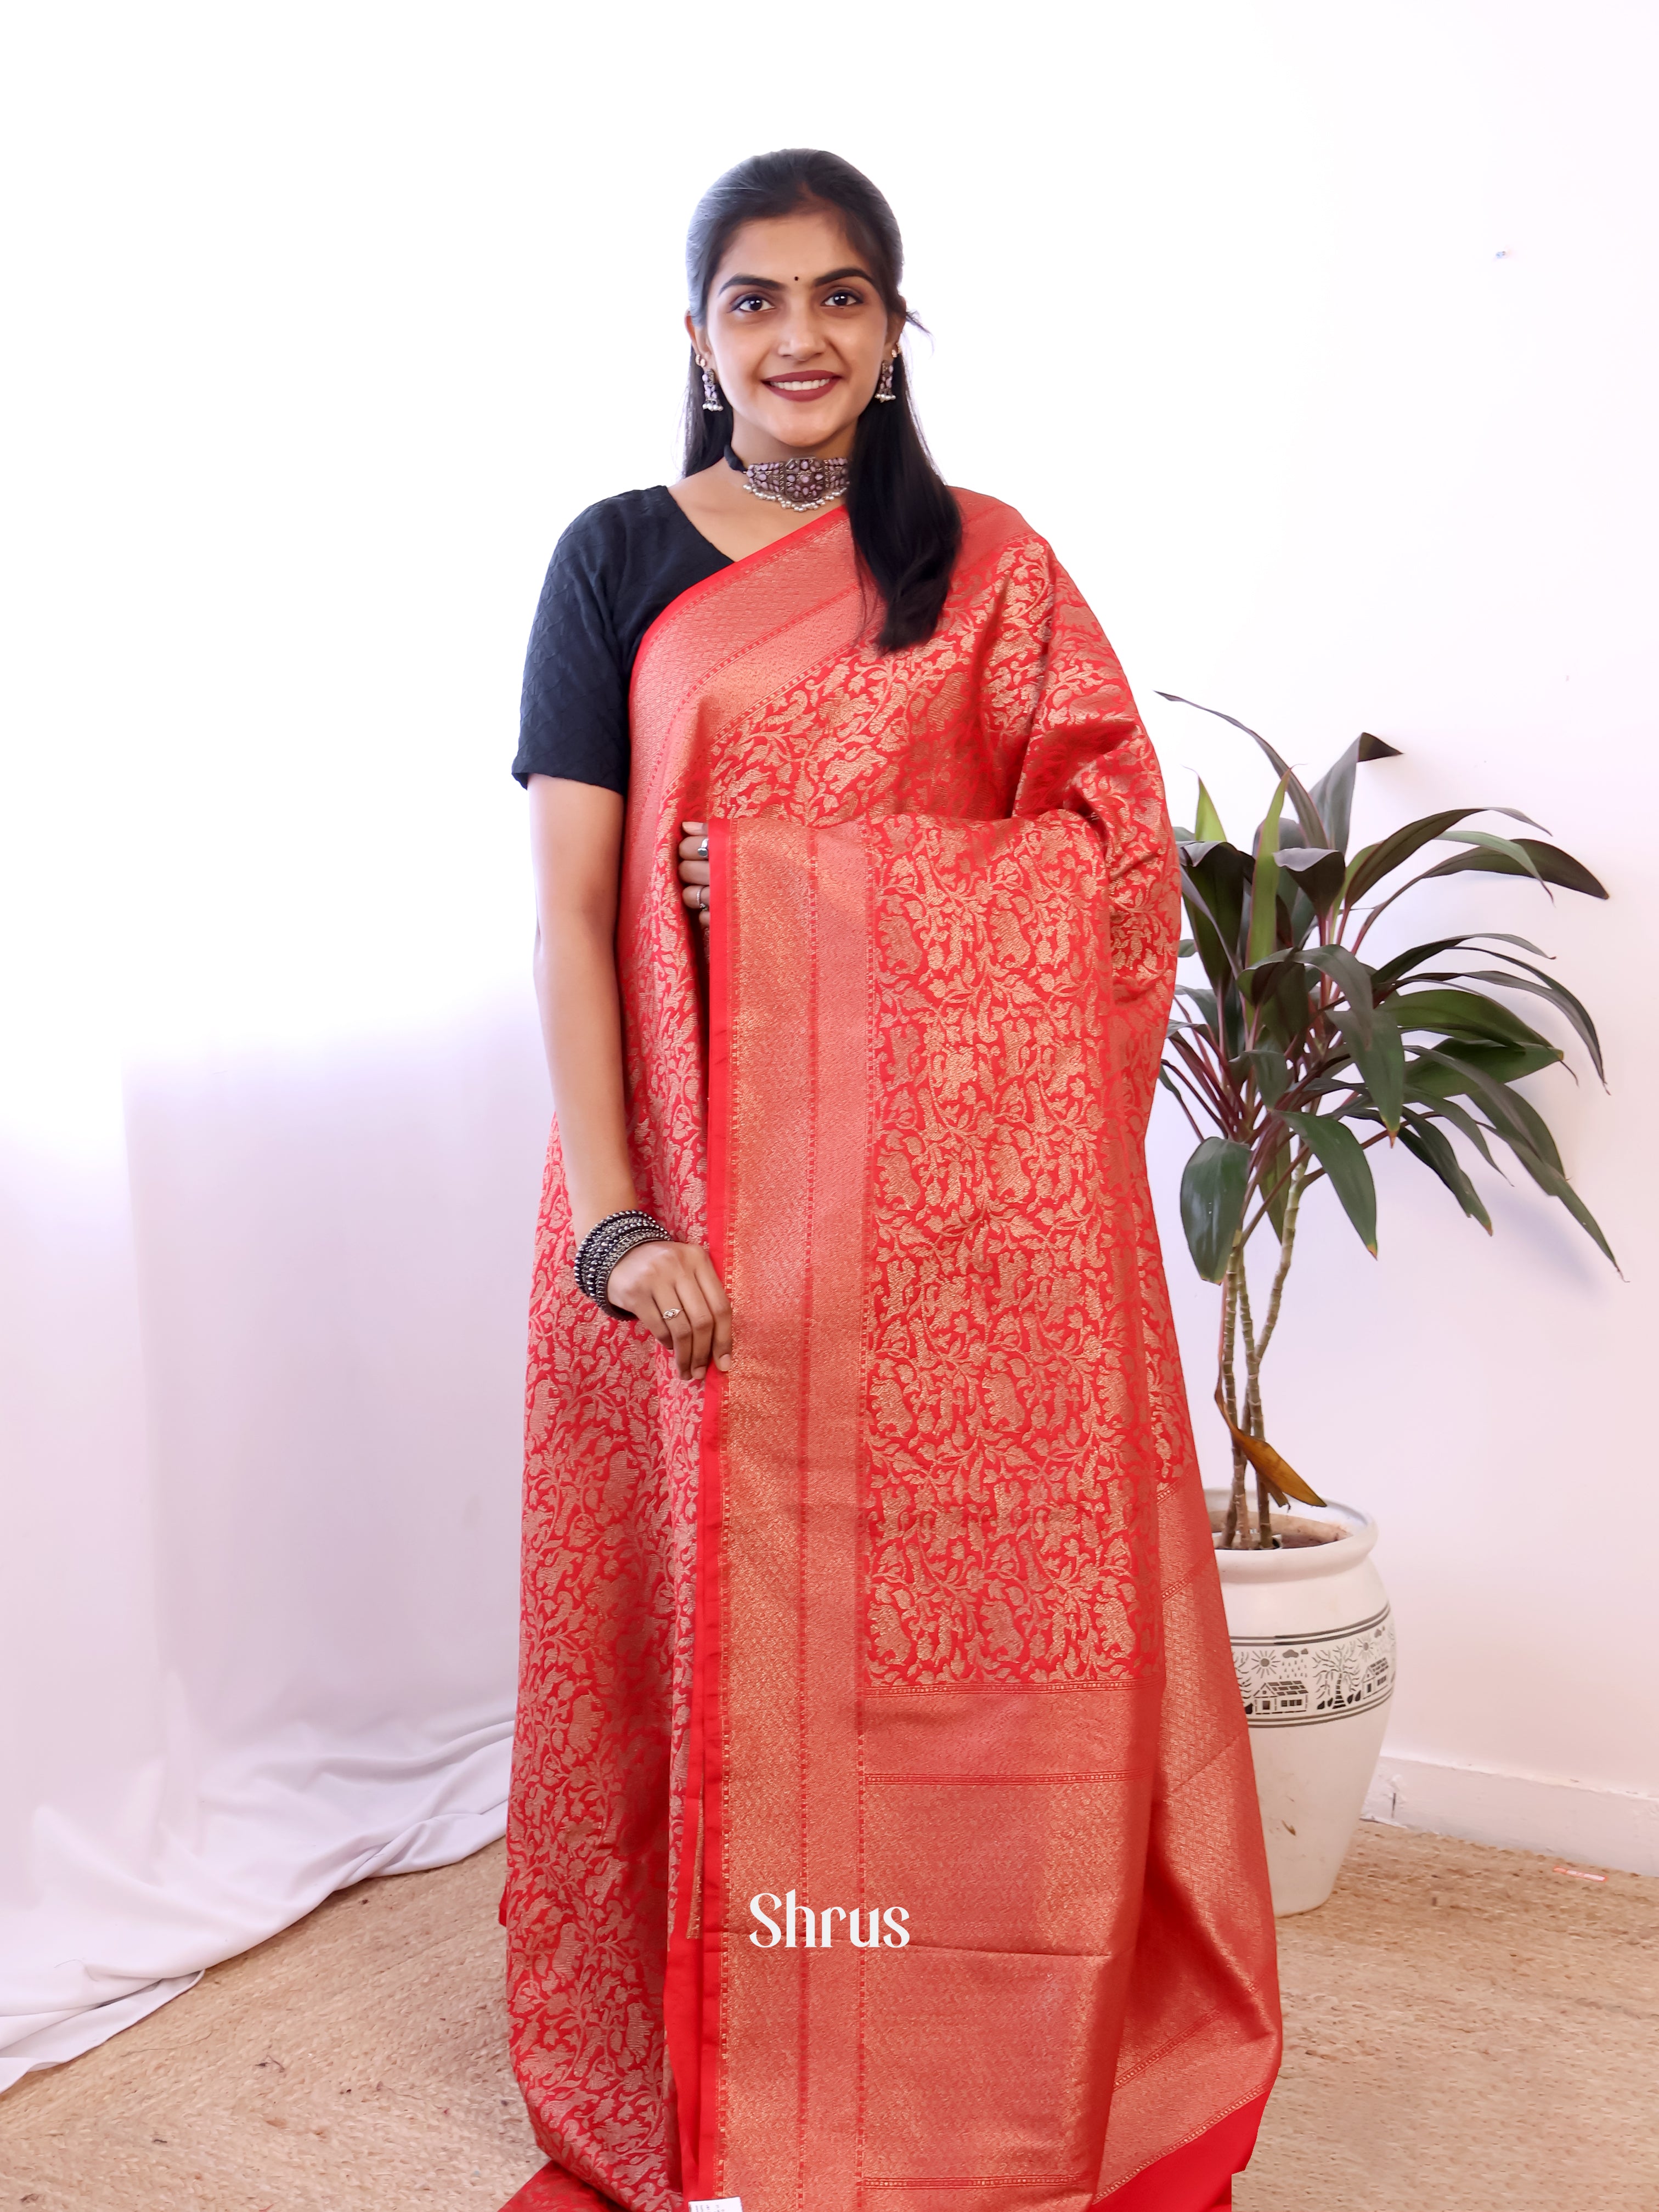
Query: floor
column 1468, row 2031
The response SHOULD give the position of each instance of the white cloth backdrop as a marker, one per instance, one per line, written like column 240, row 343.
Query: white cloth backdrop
column 1320, row 341
column 261, row 1343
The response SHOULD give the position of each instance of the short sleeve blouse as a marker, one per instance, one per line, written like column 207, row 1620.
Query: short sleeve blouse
column 613, row 572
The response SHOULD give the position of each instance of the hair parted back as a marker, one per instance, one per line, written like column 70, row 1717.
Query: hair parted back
column 906, row 527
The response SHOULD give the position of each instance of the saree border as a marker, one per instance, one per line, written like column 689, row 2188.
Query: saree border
column 691, row 1993
column 766, row 2051
column 746, row 563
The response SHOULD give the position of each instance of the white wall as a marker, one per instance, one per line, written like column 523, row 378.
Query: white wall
column 1318, row 338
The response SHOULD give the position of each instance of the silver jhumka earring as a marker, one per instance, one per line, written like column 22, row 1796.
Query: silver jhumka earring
column 885, row 382
column 712, row 401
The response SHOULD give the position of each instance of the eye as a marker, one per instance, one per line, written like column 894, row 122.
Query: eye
column 749, row 301
column 841, row 297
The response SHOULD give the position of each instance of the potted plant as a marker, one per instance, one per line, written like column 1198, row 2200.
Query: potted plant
column 1293, row 1052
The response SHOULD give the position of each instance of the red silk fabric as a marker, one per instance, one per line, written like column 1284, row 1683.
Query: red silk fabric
column 915, row 1613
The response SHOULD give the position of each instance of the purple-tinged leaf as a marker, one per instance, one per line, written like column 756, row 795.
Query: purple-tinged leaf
column 1306, row 812
column 1555, row 865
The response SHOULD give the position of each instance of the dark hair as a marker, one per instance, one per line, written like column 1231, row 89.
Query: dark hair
column 906, row 527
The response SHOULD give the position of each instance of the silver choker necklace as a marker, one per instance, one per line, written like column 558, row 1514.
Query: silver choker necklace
column 803, row 482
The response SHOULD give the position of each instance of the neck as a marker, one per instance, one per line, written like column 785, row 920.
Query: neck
column 750, row 443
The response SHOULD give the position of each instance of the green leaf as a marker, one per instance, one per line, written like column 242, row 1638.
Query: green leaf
column 1381, row 1060
column 1404, row 962
column 1556, row 994
column 1462, row 1014
column 1513, row 1118
column 1213, row 886
column 1258, row 982
column 1208, row 824
column 1382, row 858
column 1489, row 842
column 1216, row 964
column 1318, row 872
column 1535, row 1127
column 1338, row 1151
column 1274, row 1178
column 1306, row 812
column 1272, row 1071
column 1352, row 977
column 1555, row 865
column 1285, row 1013
column 1448, row 1109
column 1333, row 792
column 1303, row 916
column 1264, row 885
column 1232, row 1024
column 1373, row 862
column 1213, row 1190
column 1186, row 949
column 1500, row 1063
column 1551, row 1179
column 1523, row 1130
column 1419, row 1136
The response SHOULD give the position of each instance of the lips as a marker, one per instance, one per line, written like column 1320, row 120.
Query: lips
column 801, row 389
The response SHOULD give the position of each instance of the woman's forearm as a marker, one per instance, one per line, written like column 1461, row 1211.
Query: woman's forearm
column 670, row 1289
column 581, row 1029
column 576, row 832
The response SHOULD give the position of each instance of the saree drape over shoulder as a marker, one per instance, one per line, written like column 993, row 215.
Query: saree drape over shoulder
column 884, row 1829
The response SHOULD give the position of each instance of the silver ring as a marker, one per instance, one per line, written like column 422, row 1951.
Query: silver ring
column 702, row 904
column 670, row 1313
column 702, row 848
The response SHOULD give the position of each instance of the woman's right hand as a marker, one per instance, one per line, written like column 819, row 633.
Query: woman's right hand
column 695, row 890
column 673, row 1291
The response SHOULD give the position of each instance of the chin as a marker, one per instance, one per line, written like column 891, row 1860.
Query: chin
column 805, row 439
column 806, row 426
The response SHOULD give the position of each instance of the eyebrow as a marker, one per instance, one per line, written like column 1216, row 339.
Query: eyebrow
column 773, row 283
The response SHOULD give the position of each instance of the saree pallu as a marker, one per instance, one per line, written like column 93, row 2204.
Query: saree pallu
column 884, row 1829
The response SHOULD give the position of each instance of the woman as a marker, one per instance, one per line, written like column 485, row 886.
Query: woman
column 883, row 1813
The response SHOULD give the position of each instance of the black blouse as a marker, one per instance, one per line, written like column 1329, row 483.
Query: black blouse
column 613, row 572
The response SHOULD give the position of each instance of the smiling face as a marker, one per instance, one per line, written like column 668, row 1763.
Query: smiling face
column 796, row 335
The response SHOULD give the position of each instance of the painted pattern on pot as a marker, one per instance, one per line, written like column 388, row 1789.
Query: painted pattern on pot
column 1295, row 1681
column 1313, row 1646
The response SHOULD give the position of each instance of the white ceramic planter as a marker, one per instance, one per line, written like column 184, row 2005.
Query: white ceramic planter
column 1313, row 1643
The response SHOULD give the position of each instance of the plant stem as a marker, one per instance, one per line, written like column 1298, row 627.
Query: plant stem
column 1286, row 1247
column 1253, row 1421
column 1237, row 1508
column 1186, row 1110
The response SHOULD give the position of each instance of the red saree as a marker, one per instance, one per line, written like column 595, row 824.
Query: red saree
column 904, row 1641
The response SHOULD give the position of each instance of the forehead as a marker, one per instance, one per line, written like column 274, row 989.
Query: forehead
column 805, row 245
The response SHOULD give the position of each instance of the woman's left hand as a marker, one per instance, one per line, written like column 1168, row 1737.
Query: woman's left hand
column 694, row 869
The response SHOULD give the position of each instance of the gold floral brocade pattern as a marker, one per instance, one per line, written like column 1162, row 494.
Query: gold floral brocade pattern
column 1022, row 1425
column 1005, row 1427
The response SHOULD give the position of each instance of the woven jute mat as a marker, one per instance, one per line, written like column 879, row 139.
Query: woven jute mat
column 358, row 2059
column 1468, row 2031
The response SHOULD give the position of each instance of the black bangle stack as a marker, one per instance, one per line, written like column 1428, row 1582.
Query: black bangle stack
column 605, row 1244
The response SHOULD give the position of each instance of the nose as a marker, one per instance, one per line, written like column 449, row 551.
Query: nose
column 800, row 336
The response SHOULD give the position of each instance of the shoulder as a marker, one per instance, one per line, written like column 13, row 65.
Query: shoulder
column 998, row 541
column 1003, row 561
column 991, row 526
column 603, row 535
column 1009, row 576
